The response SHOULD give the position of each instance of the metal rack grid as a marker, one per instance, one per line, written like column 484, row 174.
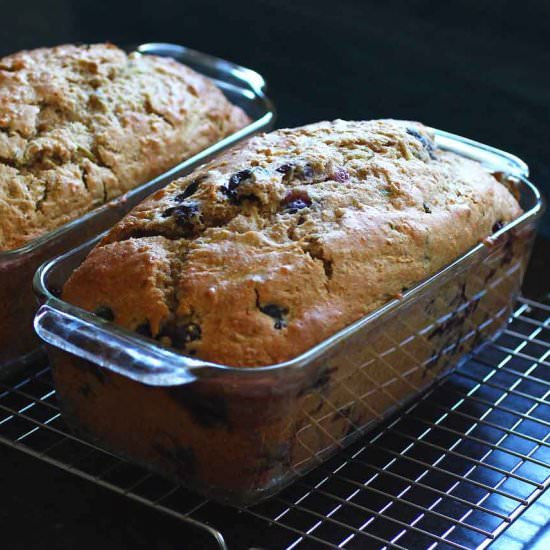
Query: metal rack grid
column 453, row 470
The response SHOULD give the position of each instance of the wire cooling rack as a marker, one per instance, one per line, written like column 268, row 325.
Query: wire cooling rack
column 453, row 470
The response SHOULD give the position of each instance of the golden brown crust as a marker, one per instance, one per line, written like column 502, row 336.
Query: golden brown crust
column 80, row 125
column 282, row 241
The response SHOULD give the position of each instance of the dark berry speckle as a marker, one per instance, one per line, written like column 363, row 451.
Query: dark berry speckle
column 181, row 334
column 498, row 226
column 234, row 181
column 231, row 189
column 105, row 312
column 189, row 332
column 55, row 291
column 183, row 212
column 340, row 175
column 191, row 189
column 144, row 330
column 181, row 459
column 284, row 169
column 293, row 206
column 208, row 410
column 295, row 200
column 187, row 216
column 278, row 313
column 299, row 172
column 320, row 383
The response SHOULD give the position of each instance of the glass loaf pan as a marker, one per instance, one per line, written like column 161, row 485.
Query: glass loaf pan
column 240, row 435
column 18, row 341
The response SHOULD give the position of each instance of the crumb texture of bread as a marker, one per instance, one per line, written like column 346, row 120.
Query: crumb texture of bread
column 284, row 240
column 80, row 125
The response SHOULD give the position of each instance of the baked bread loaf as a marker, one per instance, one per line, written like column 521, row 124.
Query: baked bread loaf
column 80, row 125
column 261, row 254
column 285, row 239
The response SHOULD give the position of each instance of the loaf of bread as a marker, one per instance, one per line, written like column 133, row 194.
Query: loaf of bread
column 80, row 125
column 287, row 238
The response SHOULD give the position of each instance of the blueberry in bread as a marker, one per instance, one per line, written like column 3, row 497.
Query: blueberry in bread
column 80, row 125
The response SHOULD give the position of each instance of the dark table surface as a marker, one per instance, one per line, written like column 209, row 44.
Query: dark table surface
column 479, row 69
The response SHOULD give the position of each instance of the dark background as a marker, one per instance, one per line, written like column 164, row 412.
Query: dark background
column 476, row 68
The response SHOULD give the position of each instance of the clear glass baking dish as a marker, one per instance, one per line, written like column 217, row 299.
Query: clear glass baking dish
column 18, row 342
column 240, row 435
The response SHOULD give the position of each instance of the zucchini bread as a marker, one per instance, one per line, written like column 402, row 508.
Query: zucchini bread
column 284, row 240
column 80, row 125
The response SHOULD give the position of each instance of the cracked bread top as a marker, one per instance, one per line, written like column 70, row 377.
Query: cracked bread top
column 282, row 241
column 80, row 125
